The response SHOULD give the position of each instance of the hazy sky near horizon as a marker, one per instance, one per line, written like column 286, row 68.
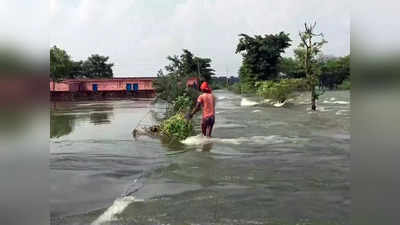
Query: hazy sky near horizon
column 138, row 35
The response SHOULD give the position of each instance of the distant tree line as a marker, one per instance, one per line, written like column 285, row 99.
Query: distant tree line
column 63, row 67
column 262, row 61
column 223, row 82
column 333, row 70
column 263, row 68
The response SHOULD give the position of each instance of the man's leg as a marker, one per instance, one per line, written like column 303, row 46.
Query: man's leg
column 210, row 125
column 204, row 126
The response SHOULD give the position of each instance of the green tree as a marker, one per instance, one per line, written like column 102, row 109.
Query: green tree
column 334, row 70
column 188, row 65
column 307, row 53
column 261, row 55
column 291, row 67
column 96, row 66
column 60, row 64
column 172, row 85
column 204, row 68
column 76, row 69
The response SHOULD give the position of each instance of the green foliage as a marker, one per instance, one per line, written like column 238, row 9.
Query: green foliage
column 247, row 79
column 261, row 55
column 223, row 82
column 60, row 64
column 291, row 67
column 281, row 90
column 235, row 88
column 334, row 71
column 177, row 127
column 182, row 104
column 345, row 85
column 248, row 88
column 170, row 87
column 96, row 66
column 188, row 65
column 62, row 67
column 307, row 53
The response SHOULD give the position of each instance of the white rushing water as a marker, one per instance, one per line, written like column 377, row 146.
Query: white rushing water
column 116, row 208
column 258, row 140
column 247, row 102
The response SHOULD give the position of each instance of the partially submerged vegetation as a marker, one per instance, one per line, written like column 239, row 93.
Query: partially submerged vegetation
column 173, row 89
column 177, row 127
column 281, row 90
column 345, row 85
column 266, row 73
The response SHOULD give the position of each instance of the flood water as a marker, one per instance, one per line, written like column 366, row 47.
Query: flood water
column 265, row 165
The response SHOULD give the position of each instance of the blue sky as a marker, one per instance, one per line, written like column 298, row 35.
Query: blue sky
column 138, row 35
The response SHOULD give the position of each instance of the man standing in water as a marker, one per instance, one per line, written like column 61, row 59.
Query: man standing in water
column 207, row 102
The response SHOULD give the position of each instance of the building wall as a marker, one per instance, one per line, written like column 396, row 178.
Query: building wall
column 59, row 86
column 116, row 85
column 102, row 85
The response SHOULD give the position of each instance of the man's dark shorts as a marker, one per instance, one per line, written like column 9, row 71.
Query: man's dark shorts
column 208, row 121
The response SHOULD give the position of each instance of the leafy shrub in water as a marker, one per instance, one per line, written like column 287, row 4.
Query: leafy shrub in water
column 280, row 90
column 345, row 85
column 235, row 88
column 182, row 103
column 177, row 127
column 247, row 88
column 273, row 90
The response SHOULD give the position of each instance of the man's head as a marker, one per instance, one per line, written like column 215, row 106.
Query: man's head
column 205, row 88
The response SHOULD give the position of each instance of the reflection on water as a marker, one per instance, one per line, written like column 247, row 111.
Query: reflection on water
column 61, row 125
column 264, row 165
column 100, row 118
column 64, row 115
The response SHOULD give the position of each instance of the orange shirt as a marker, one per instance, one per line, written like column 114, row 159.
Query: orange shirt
column 207, row 101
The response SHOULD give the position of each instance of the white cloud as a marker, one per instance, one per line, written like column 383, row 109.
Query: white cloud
column 139, row 34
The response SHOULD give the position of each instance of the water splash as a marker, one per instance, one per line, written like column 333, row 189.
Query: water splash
column 222, row 97
column 258, row 140
column 116, row 208
column 336, row 102
column 247, row 102
column 279, row 104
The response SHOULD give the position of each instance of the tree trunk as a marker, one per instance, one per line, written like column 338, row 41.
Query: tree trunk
column 313, row 98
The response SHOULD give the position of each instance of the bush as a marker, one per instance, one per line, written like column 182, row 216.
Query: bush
column 345, row 85
column 170, row 87
column 296, row 84
column 235, row 88
column 182, row 104
column 280, row 90
column 273, row 90
column 177, row 127
column 247, row 88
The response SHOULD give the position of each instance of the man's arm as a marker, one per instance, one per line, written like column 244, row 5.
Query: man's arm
column 195, row 110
